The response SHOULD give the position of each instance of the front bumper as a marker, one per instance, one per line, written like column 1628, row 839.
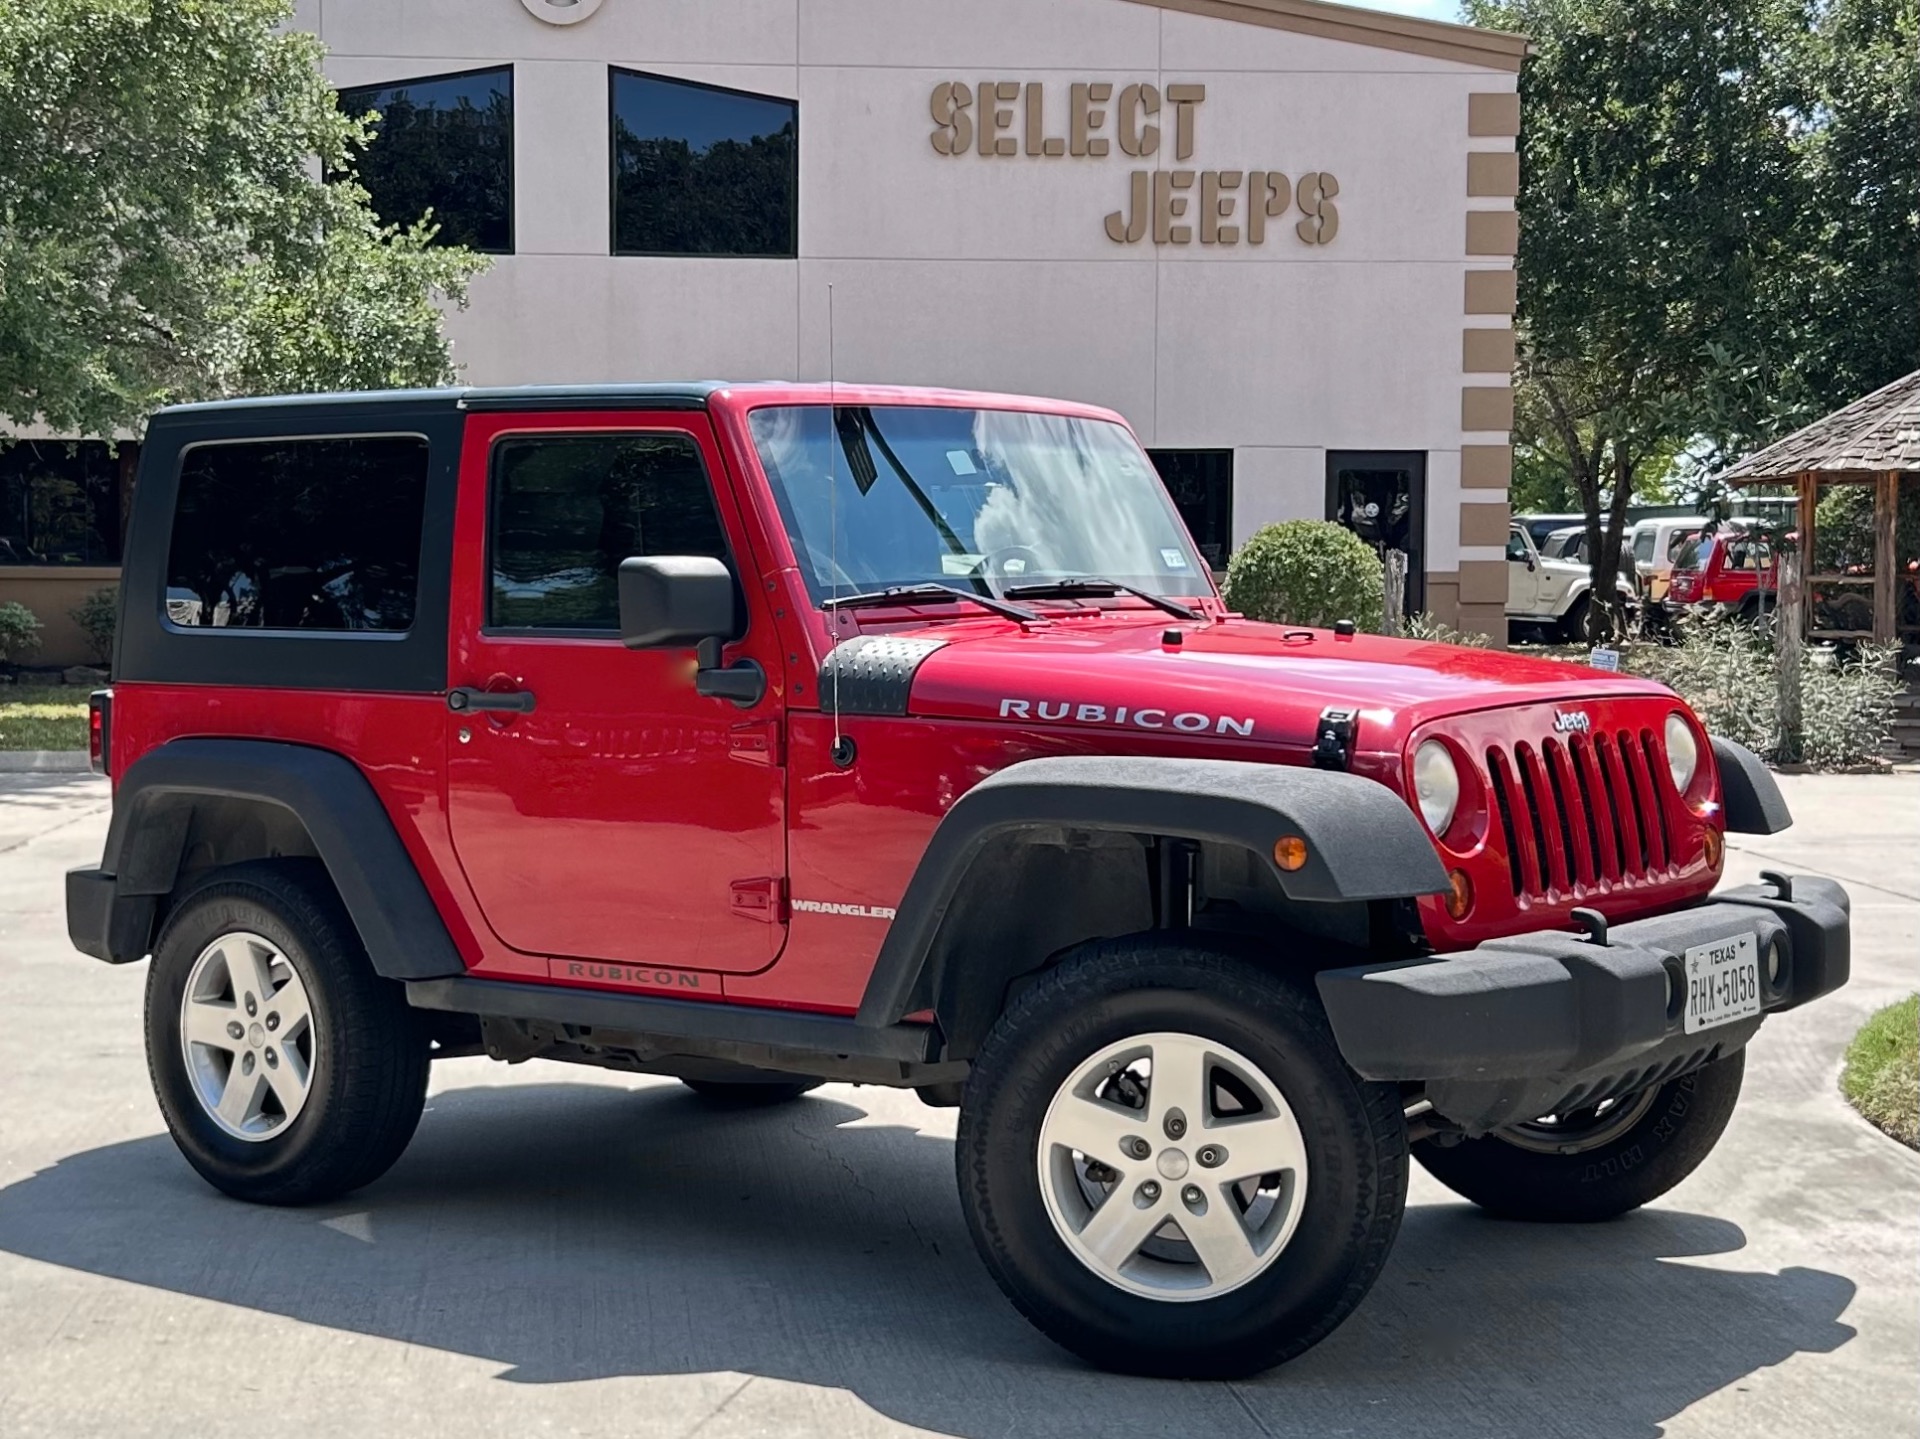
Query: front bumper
column 1540, row 1023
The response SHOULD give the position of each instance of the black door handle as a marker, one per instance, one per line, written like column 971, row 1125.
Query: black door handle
column 463, row 700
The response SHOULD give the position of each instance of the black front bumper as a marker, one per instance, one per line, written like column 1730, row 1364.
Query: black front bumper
column 1540, row 1023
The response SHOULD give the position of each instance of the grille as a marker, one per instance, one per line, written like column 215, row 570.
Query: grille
column 1581, row 812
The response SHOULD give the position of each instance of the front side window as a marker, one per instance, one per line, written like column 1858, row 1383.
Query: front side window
column 1201, row 483
column 702, row 171
column 442, row 149
column 566, row 510
column 307, row 534
column 985, row 499
column 1517, row 546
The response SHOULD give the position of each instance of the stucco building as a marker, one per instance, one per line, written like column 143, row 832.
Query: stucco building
column 1277, row 235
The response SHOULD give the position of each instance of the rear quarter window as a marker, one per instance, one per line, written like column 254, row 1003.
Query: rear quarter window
column 317, row 534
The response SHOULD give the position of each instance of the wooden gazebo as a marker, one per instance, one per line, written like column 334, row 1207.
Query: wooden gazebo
column 1857, row 476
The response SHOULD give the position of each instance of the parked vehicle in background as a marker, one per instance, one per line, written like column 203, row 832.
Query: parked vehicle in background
column 764, row 735
column 1655, row 542
column 1551, row 593
column 1728, row 574
column 1540, row 527
column 1571, row 544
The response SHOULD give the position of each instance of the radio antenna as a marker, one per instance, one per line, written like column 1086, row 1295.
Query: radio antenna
column 833, row 520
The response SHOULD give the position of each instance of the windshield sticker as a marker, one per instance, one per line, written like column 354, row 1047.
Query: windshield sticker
column 1186, row 722
column 962, row 462
column 1173, row 559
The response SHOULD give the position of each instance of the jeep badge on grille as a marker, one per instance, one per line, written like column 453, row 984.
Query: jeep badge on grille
column 1570, row 721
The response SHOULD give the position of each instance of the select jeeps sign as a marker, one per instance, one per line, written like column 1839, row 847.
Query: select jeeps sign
column 1005, row 118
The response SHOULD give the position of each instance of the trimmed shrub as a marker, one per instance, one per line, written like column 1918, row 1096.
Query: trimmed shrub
column 19, row 630
column 1307, row 572
column 96, row 616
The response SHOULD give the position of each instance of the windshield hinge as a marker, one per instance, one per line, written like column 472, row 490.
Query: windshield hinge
column 1333, row 737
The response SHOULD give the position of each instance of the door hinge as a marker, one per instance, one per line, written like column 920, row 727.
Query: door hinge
column 761, row 899
column 758, row 742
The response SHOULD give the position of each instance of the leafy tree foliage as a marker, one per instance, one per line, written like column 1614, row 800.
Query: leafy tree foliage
column 165, row 231
column 1718, row 232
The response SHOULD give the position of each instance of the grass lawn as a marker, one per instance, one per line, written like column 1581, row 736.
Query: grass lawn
column 1882, row 1077
column 50, row 717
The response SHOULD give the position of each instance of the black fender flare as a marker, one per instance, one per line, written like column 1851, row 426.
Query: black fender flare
column 332, row 800
column 1754, row 804
column 1363, row 842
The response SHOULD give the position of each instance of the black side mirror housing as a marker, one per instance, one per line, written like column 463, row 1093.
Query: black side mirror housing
column 674, row 600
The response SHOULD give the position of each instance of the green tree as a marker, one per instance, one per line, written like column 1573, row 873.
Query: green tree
column 165, row 230
column 1659, row 201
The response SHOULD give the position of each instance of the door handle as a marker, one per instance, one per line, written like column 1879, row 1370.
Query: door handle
column 464, row 700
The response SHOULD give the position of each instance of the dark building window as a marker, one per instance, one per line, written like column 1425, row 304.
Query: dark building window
column 1381, row 495
column 319, row 534
column 443, row 144
column 1201, row 483
column 702, row 171
column 60, row 502
column 567, row 511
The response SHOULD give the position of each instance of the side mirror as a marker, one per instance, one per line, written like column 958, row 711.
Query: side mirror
column 674, row 600
column 1530, row 563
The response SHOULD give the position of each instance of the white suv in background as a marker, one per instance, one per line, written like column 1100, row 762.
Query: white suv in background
column 1654, row 543
column 1550, row 593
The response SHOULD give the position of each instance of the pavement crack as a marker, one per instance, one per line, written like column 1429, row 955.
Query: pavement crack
column 1824, row 873
column 1247, row 1409
column 714, row 1413
column 55, row 828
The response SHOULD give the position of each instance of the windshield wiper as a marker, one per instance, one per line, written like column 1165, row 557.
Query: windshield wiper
column 1092, row 586
column 929, row 592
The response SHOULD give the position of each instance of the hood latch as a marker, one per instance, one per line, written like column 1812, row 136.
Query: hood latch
column 1333, row 737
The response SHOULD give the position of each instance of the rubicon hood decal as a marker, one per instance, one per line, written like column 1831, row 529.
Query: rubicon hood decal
column 1147, row 717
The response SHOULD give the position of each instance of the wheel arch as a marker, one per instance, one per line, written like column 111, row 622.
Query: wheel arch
column 194, row 806
column 1050, row 853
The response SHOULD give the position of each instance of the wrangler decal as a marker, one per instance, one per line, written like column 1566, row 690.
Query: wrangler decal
column 854, row 911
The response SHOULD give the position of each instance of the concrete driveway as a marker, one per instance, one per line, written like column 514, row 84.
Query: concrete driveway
column 563, row 1252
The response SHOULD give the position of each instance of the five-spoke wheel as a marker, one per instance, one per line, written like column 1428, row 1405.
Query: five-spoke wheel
column 246, row 1031
column 1172, row 1166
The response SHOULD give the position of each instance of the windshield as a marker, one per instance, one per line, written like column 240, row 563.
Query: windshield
column 1687, row 557
column 880, row 496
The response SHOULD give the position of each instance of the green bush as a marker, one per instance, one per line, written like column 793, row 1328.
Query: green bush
column 1307, row 572
column 96, row 615
column 1728, row 674
column 19, row 630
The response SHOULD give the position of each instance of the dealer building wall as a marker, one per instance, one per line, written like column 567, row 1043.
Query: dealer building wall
column 1076, row 256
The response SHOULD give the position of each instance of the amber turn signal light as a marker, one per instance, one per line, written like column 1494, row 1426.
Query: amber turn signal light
column 1290, row 852
column 1715, row 846
column 1459, row 894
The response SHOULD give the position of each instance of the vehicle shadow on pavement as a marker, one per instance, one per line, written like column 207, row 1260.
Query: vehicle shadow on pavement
column 573, row 1232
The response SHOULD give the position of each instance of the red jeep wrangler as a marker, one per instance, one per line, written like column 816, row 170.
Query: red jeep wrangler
column 1727, row 573
column 762, row 735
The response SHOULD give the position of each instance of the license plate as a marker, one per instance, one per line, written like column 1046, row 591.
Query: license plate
column 1723, row 982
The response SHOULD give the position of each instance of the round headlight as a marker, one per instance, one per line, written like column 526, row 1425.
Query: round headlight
column 1436, row 784
column 1683, row 752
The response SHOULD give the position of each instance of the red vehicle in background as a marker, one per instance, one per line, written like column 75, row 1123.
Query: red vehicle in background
column 1728, row 574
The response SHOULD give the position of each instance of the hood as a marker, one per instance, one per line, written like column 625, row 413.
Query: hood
column 1232, row 679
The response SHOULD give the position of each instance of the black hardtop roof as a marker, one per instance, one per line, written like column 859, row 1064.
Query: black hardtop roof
column 680, row 394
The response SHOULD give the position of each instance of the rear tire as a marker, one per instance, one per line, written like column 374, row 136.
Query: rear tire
column 1573, row 624
column 750, row 1093
column 303, row 1073
column 1657, row 1138
column 1275, row 1260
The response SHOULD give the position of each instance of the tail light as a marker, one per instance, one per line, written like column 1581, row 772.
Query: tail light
column 99, row 729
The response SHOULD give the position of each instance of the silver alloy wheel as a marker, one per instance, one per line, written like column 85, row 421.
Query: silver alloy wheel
column 247, row 1034
column 1172, row 1167
column 1579, row 1130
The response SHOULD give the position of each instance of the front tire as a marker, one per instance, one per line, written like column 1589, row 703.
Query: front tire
column 288, row 1071
column 1221, row 1226
column 1594, row 1164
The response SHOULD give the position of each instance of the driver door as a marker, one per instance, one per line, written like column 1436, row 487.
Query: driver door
column 616, row 814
